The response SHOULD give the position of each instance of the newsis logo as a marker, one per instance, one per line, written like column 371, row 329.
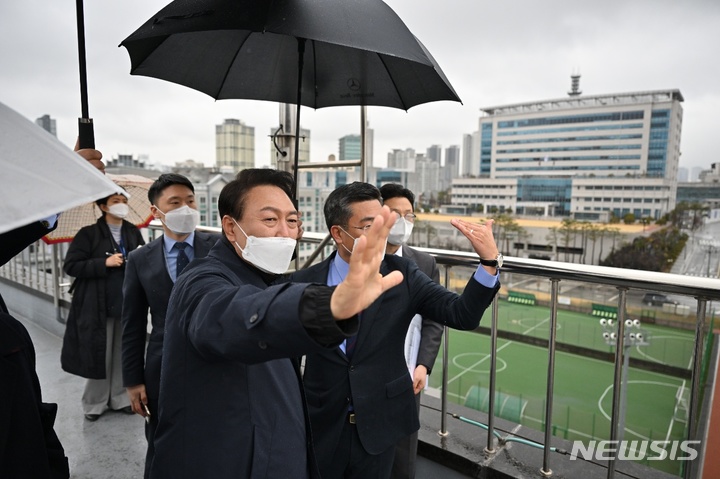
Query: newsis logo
column 636, row 450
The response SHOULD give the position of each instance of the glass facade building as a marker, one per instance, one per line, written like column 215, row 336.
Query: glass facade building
column 553, row 151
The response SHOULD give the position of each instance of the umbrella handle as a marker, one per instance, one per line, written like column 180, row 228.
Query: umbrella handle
column 86, row 133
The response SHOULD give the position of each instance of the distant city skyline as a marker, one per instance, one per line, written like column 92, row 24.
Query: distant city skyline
column 493, row 53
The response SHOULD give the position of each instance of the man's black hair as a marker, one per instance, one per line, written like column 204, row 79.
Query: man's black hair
column 232, row 197
column 337, row 207
column 394, row 190
column 165, row 180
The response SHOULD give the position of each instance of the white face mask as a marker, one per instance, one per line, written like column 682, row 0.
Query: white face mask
column 272, row 254
column 355, row 240
column 400, row 232
column 181, row 220
column 119, row 210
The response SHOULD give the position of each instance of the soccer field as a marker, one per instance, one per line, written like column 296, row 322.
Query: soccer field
column 657, row 404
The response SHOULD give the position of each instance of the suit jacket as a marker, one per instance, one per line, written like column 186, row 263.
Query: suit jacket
column 376, row 380
column 231, row 402
column 432, row 331
column 148, row 285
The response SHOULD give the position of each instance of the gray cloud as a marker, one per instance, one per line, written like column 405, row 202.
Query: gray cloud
column 492, row 52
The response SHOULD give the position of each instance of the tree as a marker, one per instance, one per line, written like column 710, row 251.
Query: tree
column 656, row 252
column 552, row 239
column 567, row 234
column 629, row 218
column 505, row 228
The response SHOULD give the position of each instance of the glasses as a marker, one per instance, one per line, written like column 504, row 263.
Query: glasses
column 410, row 217
column 364, row 229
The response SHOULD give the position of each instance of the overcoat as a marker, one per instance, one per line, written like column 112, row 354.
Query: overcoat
column 84, row 343
column 231, row 402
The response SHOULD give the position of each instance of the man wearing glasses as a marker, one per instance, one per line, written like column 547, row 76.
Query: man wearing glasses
column 359, row 394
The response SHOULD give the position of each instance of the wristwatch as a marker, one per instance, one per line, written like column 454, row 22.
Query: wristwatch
column 497, row 262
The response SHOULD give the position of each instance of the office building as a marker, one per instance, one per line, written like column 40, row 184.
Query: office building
column 234, row 145
column 589, row 157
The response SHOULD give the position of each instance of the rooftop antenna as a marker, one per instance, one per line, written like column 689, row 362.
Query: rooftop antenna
column 575, row 85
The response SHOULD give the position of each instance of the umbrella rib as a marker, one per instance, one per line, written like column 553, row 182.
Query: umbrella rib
column 402, row 101
column 230, row 64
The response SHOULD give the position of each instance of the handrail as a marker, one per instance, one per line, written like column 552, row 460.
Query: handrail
column 31, row 269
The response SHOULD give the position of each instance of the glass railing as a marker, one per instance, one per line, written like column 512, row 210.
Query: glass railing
column 581, row 353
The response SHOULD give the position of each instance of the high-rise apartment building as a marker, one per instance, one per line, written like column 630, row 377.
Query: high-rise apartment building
column 434, row 153
column 471, row 155
column 349, row 147
column 235, row 145
column 48, row 124
column 451, row 168
column 584, row 156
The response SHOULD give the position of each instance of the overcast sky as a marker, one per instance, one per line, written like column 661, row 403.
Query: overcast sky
column 493, row 53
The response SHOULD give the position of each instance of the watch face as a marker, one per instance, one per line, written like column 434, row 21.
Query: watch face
column 499, row 260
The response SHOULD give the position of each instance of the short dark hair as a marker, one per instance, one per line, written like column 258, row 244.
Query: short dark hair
column 165, row 180
column 337, row 207
column 103, row 201
column 232, row 197
column 395, row 190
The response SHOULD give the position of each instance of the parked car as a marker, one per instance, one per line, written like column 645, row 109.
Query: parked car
column 657, row 299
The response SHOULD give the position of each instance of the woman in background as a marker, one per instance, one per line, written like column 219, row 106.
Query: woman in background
column 93, row 334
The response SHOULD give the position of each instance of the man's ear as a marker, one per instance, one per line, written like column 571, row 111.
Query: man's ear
column 336, row 234
column 155, row 212
column 227, row 227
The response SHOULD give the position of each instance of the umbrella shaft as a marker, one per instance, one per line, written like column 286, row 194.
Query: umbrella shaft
column 301, row 54
column 81, row 57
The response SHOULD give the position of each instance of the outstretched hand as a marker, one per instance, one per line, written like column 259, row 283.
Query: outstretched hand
column 364, row 283
column 481, row 237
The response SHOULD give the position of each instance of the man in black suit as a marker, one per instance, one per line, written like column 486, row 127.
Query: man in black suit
column 360, row 395
column 422, row 342
column 231, row 403
column 149, row 277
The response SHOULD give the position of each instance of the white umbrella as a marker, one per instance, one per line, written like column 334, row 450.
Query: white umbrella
column 39, row 176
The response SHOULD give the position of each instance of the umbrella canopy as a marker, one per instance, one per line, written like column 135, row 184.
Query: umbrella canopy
column 136, row 188
column 355, row 52
column 41, row 176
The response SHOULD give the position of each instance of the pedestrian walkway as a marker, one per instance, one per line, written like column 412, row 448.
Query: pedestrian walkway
column 113, row 447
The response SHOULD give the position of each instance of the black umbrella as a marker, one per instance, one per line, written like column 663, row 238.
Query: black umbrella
column 316, row 53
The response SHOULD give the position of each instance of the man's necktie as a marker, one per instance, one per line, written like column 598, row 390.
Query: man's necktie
column 352, row 341
column 182, row 259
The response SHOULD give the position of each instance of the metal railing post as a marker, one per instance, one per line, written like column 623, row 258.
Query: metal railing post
column 617, row 407
column 554, row 289
column 700, row 327
column 490, row 448
column 443, row 394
